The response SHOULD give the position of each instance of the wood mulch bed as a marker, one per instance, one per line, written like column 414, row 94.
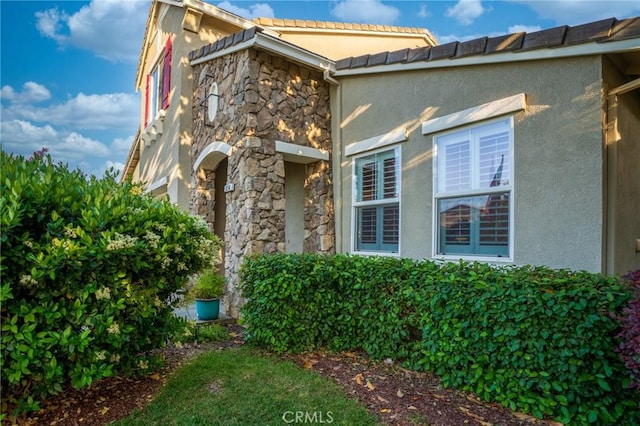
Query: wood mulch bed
column 397, row 396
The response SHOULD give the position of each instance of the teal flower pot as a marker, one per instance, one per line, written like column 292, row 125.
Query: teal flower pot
column 207, row 309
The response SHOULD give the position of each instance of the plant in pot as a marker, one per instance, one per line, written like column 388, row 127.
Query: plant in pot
column 207, row 290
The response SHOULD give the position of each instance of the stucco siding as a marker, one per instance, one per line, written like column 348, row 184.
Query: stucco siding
column 558, row 151
column 170, row 154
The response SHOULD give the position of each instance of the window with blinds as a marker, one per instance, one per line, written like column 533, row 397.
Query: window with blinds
column 473, row 190
column 377, row 202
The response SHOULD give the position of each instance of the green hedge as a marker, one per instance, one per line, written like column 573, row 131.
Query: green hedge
column 88, row 268
column 534, row 339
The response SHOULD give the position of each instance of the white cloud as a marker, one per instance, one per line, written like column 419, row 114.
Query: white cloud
column 108, row 28
column 122, row 145
column 423, row 12
column 22, row 137
column 31, row 93
column 118, row 166
column 524, row 28
column 7, row 92
column 258, row 10
column 466, row 11
column 572, row 12
column 104, row 111
column 367, row 11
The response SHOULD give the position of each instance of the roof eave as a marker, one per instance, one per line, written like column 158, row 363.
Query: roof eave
column 198, row 5
column 588, row 49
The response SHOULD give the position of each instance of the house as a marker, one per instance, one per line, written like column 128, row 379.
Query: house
column 161, row 152
column 517, row 149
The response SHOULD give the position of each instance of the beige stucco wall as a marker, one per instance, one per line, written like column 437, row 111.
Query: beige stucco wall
column 169, row 155
column 558, row 153
column 623, row 148
column 338, row 45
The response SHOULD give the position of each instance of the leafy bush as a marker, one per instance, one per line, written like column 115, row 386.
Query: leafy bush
column 629, row 347
column 209, row 285
column 89, row 268
column 534, row 339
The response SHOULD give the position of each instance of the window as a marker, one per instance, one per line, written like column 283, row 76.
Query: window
column 473, row 187
column 158, row 85
column 377, row 202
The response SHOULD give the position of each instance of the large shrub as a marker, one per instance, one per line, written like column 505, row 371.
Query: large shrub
column 536, row 340
column 88, row 269
column 629, row 347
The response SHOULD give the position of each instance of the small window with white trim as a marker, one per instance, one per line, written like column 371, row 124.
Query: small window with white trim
column 473, row 190
column 376, row 202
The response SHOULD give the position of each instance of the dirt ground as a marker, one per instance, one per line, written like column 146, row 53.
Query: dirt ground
column 397, row 396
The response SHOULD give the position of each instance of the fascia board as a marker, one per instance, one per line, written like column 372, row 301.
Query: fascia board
column 216, row 12
column 631, row 45
column 308, row 30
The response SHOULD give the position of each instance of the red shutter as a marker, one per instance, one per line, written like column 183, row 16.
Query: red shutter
column 166, row 75
column 146, row 102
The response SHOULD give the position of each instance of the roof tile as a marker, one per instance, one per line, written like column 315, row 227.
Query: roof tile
column 397, row 56
column 360, row 61
column 377, row 59
column 545, row 38
column 228, row 42
column 343, row 63
column 471, row 47
column 238, row 37
column 625, row 29
column 443, row 51
column 418, row 54
column 504, row 43
column 589, row 32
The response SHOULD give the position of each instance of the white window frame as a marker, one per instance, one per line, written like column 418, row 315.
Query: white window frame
column 155, row 90
column 355, row 204
column 510, row 189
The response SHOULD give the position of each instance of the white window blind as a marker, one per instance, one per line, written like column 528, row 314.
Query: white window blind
column 473, row 186
column 376, row 202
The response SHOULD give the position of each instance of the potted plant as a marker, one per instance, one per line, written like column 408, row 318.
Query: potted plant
column 207, row 290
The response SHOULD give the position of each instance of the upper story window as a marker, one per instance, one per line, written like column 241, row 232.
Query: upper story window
column 377, row 202
column 473, row 190
column 158, row 85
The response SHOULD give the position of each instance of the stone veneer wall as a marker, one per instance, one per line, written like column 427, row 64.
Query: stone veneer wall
column 263, row 99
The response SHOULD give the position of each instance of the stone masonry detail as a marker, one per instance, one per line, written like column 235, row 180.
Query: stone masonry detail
column 262, row 99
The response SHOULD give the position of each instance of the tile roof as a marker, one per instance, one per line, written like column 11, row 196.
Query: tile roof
column 299, row 23
column 225, row 42
column 604, row 31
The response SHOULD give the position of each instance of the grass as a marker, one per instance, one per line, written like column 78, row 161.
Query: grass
column 241, row 386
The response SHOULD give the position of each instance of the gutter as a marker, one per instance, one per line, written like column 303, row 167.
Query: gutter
column 336, row 163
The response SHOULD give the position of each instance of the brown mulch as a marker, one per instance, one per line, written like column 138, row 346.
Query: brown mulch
column 397, row 396
column 403, row 397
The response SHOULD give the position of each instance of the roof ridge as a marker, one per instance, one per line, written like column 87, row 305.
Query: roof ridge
column 334, row 25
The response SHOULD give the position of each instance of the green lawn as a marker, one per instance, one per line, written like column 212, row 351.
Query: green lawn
column 241, row 386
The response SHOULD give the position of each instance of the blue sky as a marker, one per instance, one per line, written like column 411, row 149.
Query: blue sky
column 68, row 67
